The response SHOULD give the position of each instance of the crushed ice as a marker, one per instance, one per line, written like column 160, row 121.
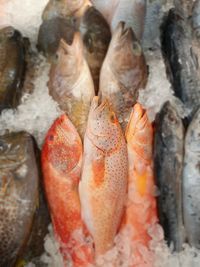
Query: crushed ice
column 38, row 110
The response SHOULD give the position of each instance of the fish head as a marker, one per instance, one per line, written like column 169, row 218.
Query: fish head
column 9, row 33
column 69, row 58
column 139, row 132
column 170, row 123
column 124, row 49
column 126, row 57
column 62, row 147
column 103, row 127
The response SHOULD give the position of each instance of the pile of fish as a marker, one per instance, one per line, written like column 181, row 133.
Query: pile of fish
column 102, row 160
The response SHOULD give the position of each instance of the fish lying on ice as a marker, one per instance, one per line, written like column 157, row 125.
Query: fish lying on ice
column 61, row 165
column 123, row 73
column 18, row 194
column 191, row 182
column 71, row 84
column 141, row 210
column 182, row 62
column 168, row 167
column 96, row 37
column 103, row 184
column 12, row 67
column 61, row 19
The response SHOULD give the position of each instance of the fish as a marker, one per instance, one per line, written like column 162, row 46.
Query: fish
column 65, row 8
column 141, row 209
column 19, row 183
column 196, row 18
column 12, row 67
column 133, row 14
column 59, row 21
column 70, row 82
column 61, row 166
column 35, row 245
column 96, row 36
column 168, row 168
column 123, row 73
column 51, row 32
column 103, row 184
column 181, row 61
column 191, row 182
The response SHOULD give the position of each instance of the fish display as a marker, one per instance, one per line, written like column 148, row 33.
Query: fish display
column 12, row 67
column 103, row 184
column 123, row 73
column 61, row 19
column 141, row 210
column 96, row 37
column 168, row 167
column 191, row 182
column 71, row 84
column 18, row 194
column 61, row 165
column 181, row 60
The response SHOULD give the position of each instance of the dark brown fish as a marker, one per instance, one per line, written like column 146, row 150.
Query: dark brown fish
column 12, row 67
column 18, row 194
column 96, row 38
column 123, row 73
column 52, row 31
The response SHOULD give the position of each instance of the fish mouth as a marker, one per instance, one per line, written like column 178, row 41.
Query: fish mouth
column 122, row 32
column 99, row 106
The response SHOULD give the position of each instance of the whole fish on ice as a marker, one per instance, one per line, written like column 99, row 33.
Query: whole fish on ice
column 96, row 37
column 123, row 73
column 103, row 184
column 18, row 194
column 182, row 60
column 191, row 182
column 71, row 84
column 61, row 165
column 141, row 210
column 12, row 67
column 168, row 167
column 61, row 19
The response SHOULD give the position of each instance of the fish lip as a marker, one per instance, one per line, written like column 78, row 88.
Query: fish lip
column 122, row 32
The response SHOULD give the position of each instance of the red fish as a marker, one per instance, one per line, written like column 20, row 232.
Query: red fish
column 141, row 212
column 61, row 165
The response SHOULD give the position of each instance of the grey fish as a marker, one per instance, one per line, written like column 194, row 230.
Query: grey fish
column 168, row 164
column 96, row 37
column 12, row 67
column 191, row 182
column 196, row 18
column 18, row 194
column 181, row 60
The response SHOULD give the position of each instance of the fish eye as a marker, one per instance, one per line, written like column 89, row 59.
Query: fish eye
column 137, row 48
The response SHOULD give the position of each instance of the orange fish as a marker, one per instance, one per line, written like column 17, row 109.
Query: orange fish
column 141, row 211
column 61, row 165
column 103, row 184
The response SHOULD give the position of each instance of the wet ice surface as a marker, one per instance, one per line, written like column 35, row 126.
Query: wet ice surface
column 38, row 111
